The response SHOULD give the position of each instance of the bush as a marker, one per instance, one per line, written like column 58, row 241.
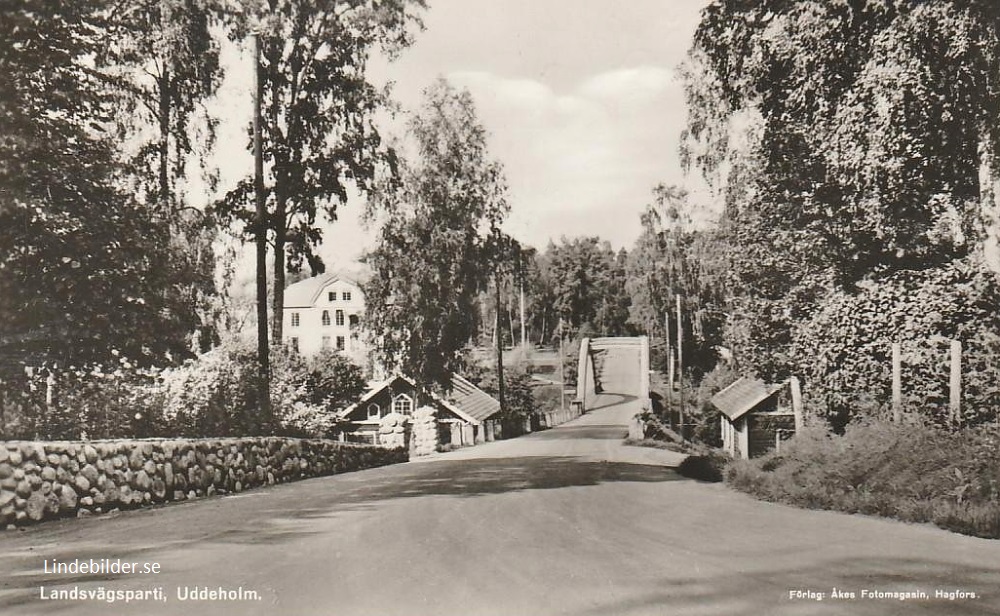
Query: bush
column 844, row 350
column 917, row 473
column 548, row 398
column 212, row 395
column 94, row 403
column 518, row 397
column 704, row 467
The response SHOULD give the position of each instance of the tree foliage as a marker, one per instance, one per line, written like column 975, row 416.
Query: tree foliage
column 433, row 255
column 81, row 271
column 853, row 142
column 844, row 349
column 319, row 106
column 674, row 258
column 586, row 280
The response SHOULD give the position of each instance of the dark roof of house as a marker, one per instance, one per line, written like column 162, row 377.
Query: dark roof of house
column 466, row 400
column 474, row 401
column 743, row 396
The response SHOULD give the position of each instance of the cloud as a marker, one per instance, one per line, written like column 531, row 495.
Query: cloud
column 583, row 159
column 642, row 84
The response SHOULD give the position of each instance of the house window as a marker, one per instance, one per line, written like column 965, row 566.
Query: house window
column 374, row 412
column 331, row 296
column 340, row 318
column 295, row 344
column 326, row 342
column 352, row 321
column 402, row 404
column 340, row 343
column 326, row 317
column 347, row 296
column 295, row 319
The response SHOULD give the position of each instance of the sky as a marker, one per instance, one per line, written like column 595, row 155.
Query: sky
column 580, row 98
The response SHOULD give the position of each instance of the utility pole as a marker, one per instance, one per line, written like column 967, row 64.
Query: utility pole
column 524, row 327
column 562, row 371
column 499, row 322
column 260, row 234
column 680, row 366
column 670, row 362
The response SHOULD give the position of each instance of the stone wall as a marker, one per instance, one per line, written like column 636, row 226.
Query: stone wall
column 40, row 480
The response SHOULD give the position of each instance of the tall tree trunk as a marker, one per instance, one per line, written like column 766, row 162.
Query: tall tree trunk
column 280, row 206
column 278, row 307
column 164, row 146
column 989, row 194
column 260, row 230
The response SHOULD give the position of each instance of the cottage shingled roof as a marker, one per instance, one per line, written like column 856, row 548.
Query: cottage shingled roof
column 743, row 396
column 472, row 400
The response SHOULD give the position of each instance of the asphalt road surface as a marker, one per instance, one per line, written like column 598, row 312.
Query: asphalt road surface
column 565, row 521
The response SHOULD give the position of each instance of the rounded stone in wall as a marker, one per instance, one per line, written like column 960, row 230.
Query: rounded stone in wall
column 67, row 499
column 35, row 507
column 82, row 484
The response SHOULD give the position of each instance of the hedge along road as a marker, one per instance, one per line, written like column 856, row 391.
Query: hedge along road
column 566, row 521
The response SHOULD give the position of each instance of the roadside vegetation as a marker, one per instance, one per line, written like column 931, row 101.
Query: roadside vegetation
column 911, row 472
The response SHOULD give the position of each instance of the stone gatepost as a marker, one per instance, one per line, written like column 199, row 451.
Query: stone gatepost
column 425, row 431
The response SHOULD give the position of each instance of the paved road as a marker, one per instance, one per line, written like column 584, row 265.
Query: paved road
column 567, row 521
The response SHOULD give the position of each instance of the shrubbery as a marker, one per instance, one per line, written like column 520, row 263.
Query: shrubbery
column 519, row 401
column 704, row 467
column 213, row 395
column 916, row 473
column 97, row 403
column 844, row 351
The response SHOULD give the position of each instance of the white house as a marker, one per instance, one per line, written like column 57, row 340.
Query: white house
column 325, row 312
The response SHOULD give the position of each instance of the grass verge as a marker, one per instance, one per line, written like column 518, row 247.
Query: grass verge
column 913, row 473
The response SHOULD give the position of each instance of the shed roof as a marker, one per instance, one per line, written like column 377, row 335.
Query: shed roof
column 743, row 396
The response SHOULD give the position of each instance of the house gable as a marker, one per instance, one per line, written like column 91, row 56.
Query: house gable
column 388, row 396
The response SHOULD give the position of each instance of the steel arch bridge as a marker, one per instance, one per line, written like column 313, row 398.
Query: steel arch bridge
column 613, row 365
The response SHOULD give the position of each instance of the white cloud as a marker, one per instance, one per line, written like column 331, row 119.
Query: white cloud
column 640, row 84
column 590, row 154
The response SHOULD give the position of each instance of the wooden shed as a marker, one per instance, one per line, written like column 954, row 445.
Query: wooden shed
column 756, row 416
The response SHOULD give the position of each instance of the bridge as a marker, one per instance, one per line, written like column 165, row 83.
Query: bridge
column 613, row 365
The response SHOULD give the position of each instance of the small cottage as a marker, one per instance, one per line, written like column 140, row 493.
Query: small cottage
column 466, row 417
column 757, row 416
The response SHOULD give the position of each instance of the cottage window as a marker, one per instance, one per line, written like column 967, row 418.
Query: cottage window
column 352, row 321
column 340, row 343
column 295, row 319
column 326, row 317
column 331, row 296
column 326, row 342
column 374, row 412
column 402, row 404
column 347, row 296
column 340, row 318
